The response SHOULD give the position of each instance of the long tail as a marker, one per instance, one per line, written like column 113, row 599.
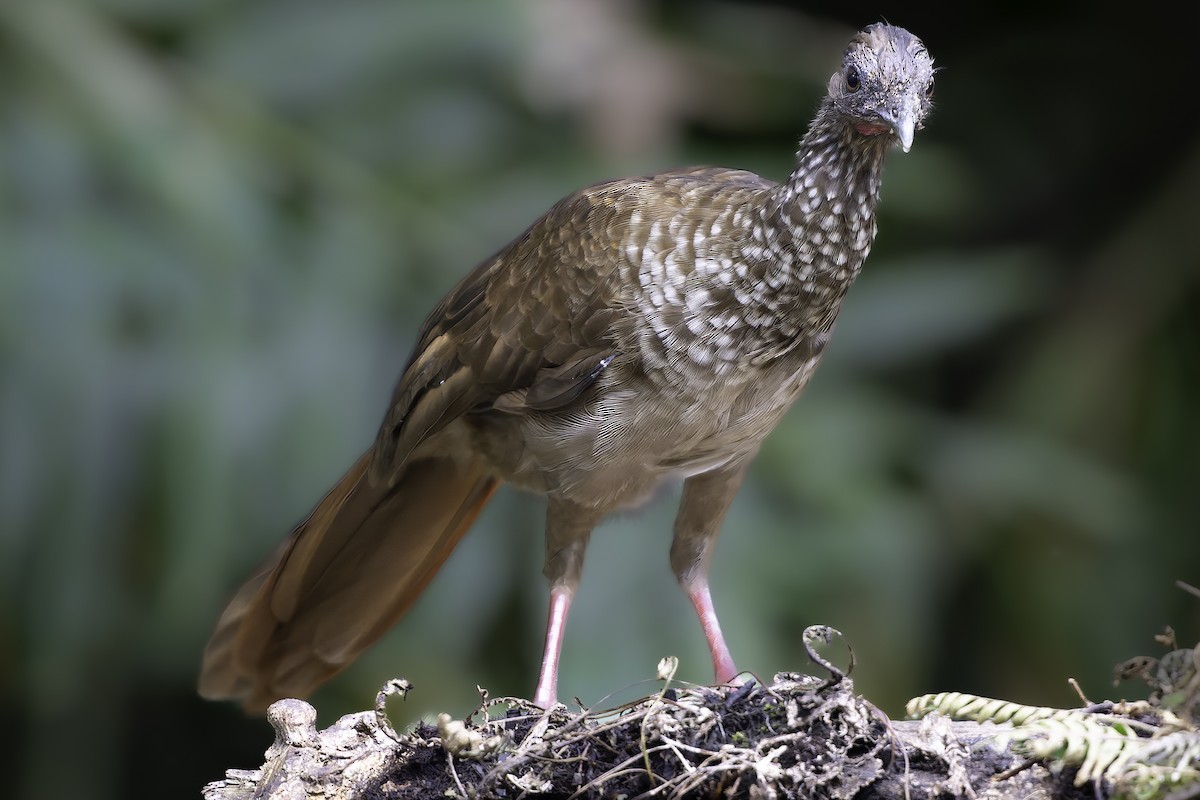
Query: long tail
column 341, row 580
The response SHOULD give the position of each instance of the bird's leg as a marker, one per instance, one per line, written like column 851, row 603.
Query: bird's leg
column 546, row 694
column 724, row 669
column 706, row 498
column 568, row 527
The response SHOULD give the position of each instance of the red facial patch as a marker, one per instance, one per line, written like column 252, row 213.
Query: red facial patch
column 871, row 128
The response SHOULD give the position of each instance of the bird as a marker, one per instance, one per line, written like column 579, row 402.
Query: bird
column 643, row 330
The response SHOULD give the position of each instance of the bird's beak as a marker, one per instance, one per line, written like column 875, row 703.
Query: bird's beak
column 904, row 131
column 903, row 125
column 903, row 121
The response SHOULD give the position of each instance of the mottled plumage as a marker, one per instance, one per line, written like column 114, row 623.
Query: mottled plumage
column 643, row 329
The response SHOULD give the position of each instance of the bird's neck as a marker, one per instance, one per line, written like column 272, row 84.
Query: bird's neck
column 819, row 224
column 837, row 174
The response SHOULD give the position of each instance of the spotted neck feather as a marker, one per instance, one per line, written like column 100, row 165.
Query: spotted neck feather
column 816, row 228
column 741, row 273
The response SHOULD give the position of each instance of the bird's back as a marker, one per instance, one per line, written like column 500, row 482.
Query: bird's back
column 614, row 341
column 533, row 326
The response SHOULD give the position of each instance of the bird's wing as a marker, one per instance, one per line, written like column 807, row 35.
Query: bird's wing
column 529, row 329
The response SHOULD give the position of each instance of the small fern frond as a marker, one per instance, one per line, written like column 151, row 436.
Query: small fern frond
column 1103, row 747
column 959, row 705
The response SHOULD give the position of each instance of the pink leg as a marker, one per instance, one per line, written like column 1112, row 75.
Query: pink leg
column 723, row 666
column 546, row 694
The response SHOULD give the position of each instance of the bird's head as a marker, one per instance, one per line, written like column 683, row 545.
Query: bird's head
column 885, row 85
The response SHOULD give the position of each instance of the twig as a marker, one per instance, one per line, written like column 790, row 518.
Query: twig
column 462, row 792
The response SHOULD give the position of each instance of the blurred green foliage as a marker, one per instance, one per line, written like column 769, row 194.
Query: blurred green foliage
column 222, row 221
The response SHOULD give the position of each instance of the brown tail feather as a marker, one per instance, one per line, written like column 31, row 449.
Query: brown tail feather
column 343, row 577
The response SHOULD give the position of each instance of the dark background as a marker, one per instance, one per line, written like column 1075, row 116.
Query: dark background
column 222, row 222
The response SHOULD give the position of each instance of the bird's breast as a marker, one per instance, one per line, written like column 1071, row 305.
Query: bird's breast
column 632, row 432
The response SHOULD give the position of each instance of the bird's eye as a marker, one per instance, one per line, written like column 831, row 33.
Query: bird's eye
column 929, row 89
column 853, row 81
